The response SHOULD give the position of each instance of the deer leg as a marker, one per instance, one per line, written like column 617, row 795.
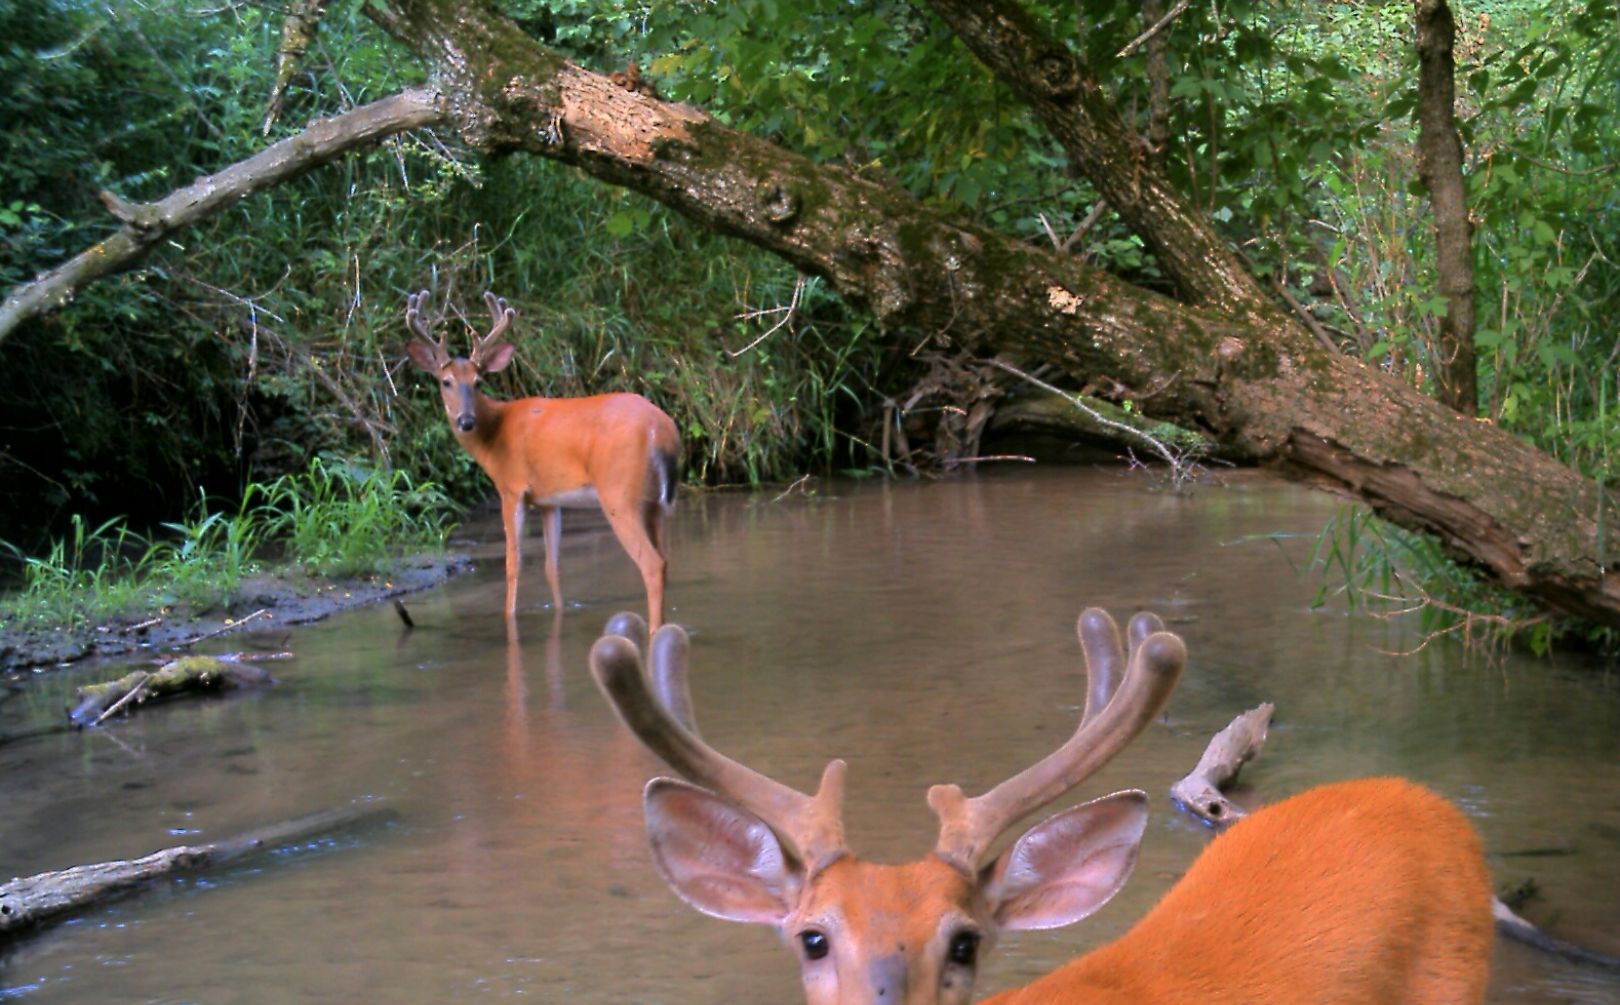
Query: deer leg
column 512, row 513
column 639, row 534
column 551, row 530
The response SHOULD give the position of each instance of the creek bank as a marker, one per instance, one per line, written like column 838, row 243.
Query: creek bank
column 285, row 597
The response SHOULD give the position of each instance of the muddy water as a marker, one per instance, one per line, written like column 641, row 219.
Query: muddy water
column 922, row 632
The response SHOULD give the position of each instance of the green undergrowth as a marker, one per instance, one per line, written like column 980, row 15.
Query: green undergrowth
column 335, row 518
column 1391, row 573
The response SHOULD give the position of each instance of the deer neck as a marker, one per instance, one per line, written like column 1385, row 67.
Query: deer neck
column 484, row 440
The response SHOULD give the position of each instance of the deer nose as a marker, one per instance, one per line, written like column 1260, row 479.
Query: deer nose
column 465, row 423
column 888, row 978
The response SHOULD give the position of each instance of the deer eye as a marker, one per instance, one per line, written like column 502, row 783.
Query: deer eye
column 964, row 949
column 447, row 382
column 815, row 944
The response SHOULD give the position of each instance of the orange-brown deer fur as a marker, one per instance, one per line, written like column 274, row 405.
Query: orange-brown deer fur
column 1370, row 892
column 616, row 451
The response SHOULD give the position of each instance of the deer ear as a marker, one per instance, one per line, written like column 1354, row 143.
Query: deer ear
column 722, row 860
column 425, row 357
column 498, row 358
column 1069, row 864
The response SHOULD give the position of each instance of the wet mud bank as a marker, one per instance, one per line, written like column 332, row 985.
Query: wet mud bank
column 285, row 598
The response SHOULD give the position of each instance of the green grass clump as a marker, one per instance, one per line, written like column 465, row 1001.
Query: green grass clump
column 83, row 576
column 332, row 519
column 1391, row 572
column 339, row 519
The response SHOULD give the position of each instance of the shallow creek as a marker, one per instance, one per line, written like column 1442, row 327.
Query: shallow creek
column 923, row 632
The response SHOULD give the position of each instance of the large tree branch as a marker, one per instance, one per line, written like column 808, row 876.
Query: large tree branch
column 1253, row 379
column 147, row 224
column 1064, row 94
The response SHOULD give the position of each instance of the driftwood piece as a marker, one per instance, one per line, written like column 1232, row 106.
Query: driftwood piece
column 29, row 901
column 186, row 674
column 1200, row 792
column 1514, row 927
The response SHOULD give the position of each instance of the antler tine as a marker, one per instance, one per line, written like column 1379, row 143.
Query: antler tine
column 500, row 317
column 666, row 662
column 631, row 626
column 969, row 826
column 414, row 303
column 812, row 825
column 1105, row 657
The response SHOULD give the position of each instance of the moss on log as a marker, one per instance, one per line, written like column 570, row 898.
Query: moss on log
column 186, row 675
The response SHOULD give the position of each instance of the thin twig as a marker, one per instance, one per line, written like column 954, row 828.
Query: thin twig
column 1158, row 26
column 993, row 457
column 1096, row 416
column 1467, row 621
column 798, row 484
column 1309, row 319
column 1080, row 229
column 787, row 315
column 128, row 697
column 233, row 626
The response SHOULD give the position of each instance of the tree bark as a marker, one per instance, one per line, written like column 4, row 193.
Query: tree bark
column 1158, row 79
column 1440, row 152
column 1440, row 157
column 145, row 225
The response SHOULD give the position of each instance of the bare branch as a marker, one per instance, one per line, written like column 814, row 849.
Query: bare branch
column 147, row 224
column 1158, row 26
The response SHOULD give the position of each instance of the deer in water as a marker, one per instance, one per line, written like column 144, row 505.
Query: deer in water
column 616, row 451
column 1371, row 891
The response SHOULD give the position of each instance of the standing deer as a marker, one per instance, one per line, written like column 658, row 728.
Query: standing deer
column 617, row 451
column 1371, row 891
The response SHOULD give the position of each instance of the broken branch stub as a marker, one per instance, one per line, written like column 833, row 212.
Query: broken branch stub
column 1200, row 792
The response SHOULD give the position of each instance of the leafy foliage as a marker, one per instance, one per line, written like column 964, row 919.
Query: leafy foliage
column 338, row 520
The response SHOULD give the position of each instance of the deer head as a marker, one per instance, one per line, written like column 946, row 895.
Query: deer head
column 738, row 845
column 459, row 377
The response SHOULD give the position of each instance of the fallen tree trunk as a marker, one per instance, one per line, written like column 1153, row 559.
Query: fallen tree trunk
column 1199, row 793
column 186, row 675
column 26, row 903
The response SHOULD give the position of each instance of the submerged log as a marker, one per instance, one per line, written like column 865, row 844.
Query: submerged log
column 1200, row 792
column 187, row 674
column 1514, row 927
column 29, row 901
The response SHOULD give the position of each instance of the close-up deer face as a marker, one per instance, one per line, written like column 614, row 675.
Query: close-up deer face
column 459, row 377
column 873, row 934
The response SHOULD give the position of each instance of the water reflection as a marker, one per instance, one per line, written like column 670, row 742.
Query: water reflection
column 922, row 632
